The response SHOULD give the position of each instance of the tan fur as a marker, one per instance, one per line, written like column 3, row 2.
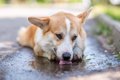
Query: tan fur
column 26, row 36
column 51, row 26
column 59, row 26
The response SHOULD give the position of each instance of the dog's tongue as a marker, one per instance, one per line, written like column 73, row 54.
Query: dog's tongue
column 65, row 62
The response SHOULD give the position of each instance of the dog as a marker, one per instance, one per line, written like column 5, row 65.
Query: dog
column 60, row 36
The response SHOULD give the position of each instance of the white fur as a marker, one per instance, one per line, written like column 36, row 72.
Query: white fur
column 38, row 35
column 22, row 37
column 79, row 47
column 66, row 46
column 21, row 32
column 67, row 21
column 44, row 43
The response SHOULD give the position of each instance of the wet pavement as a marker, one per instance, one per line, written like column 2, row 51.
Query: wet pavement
column 19, row 63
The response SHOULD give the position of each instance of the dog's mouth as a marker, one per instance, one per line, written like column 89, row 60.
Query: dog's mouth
column 68, row 62
column 62, row 62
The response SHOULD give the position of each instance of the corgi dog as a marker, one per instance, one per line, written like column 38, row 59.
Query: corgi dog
column 57, row 37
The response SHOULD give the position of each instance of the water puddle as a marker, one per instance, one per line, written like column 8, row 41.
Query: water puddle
column 22, row 64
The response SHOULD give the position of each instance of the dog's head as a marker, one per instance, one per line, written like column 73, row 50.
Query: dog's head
column 64, row 29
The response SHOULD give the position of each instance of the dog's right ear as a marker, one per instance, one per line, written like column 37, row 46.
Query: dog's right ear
column 41, row 22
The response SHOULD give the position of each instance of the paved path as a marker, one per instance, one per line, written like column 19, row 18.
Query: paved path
column 18, row 63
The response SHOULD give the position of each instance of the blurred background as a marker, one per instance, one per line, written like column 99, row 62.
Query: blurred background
column 102, row 26
column 14, row 14
column 25, row 8
column 12, row 8
column 105, row 13
column 40, row 7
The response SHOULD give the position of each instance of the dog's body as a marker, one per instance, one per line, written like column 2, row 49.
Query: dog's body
column 58, row 36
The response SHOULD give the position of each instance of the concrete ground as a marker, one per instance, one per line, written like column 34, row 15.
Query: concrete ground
column 19, row 63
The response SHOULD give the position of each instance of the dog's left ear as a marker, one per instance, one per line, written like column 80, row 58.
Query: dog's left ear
column 41, row 22
column 84, row 15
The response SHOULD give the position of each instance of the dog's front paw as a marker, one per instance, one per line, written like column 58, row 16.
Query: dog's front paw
column 38, row 51
column 52, row 57
column 78, row 54
column 49, row 56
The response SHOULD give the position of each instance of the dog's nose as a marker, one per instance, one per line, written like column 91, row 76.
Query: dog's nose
column 66, row 56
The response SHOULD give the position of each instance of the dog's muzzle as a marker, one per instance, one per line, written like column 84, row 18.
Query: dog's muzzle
column 66, row 56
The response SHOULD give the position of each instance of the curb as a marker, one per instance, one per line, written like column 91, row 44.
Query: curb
column 114, row 26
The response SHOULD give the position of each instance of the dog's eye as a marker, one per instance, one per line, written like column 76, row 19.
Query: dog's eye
column 74, row 37
column 59, row 36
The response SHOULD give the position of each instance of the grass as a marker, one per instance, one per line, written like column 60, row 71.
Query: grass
column 74, row 1
column 43, row 1
column 1, row 2
column 49, row 1
column 113, row 12
column 103, row 29
column 118, row 56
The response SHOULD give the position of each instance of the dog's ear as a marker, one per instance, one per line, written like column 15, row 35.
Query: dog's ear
column 41, row 22
column 84, row 15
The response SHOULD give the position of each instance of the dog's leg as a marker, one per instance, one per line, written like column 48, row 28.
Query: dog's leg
column 79, row 48
column 78, row 52
column 39, row 52
column 49, row 56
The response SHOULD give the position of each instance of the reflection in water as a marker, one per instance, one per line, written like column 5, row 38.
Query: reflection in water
column 44, row 65
column 23, row 63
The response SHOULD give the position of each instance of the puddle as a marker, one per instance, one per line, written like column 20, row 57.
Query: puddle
column 22, row 65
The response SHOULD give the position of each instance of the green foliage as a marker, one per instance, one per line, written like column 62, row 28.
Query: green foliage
column 103, row 29
column 74, row 1
column 49, row 1
column 2, row 2
column 118, row 56
column 44, row 1
column 114, row 12
column 100, row 2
